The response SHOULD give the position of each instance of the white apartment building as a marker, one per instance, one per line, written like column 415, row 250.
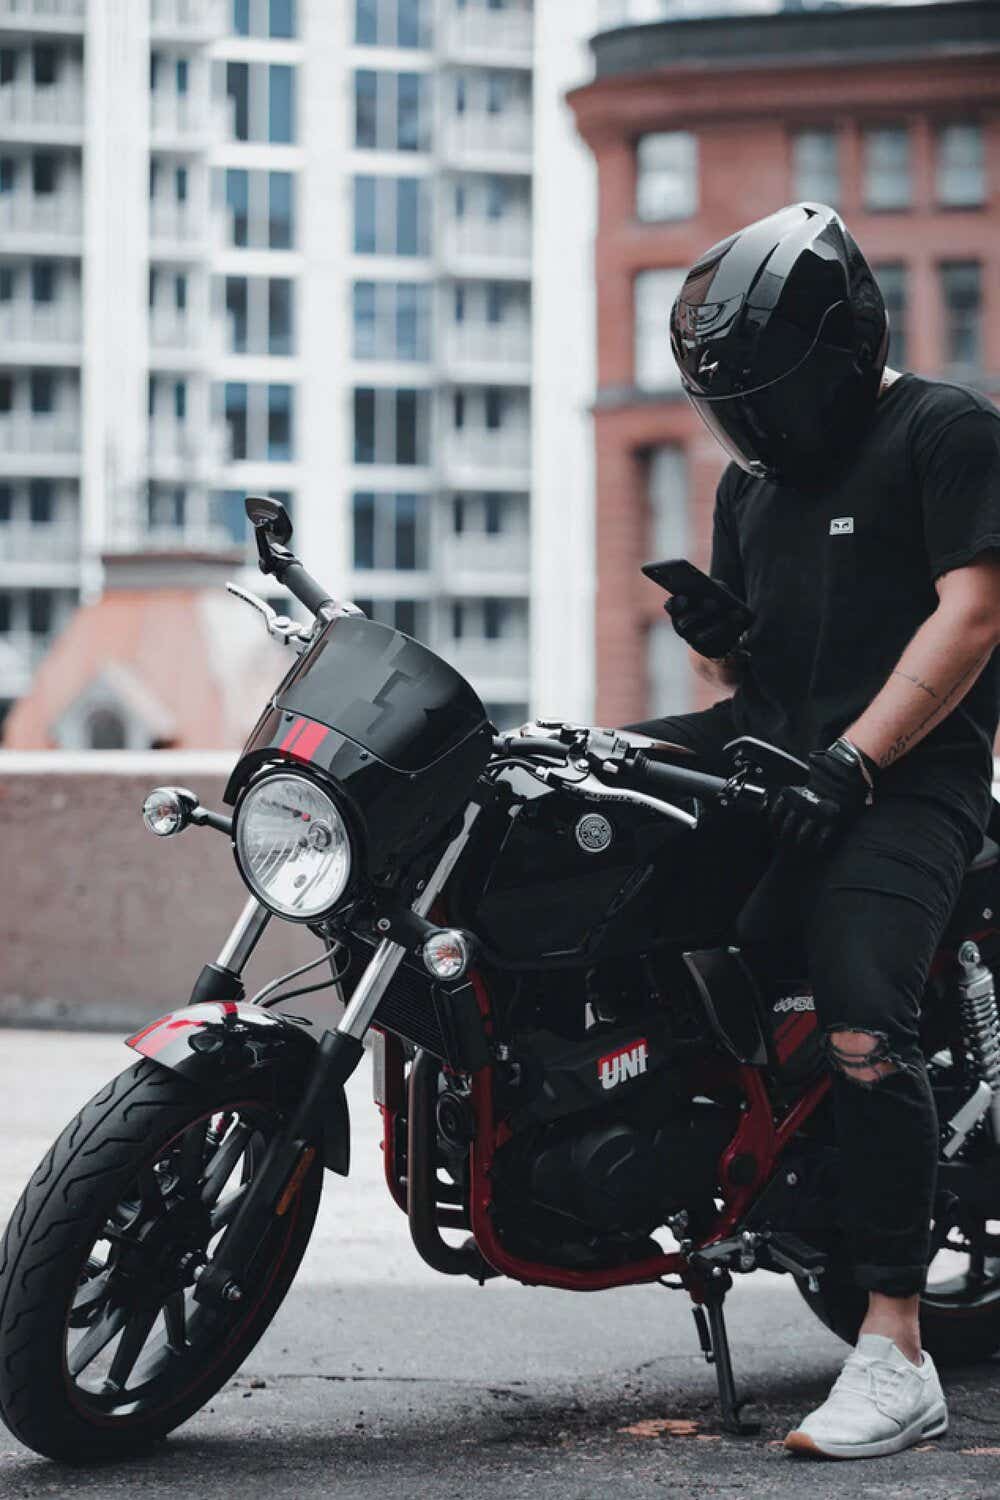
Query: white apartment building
column 278, row 245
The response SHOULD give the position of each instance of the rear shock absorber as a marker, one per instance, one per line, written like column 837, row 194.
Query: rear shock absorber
column 980, row 1024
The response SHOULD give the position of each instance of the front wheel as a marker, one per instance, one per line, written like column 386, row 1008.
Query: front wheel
column 103, row 1346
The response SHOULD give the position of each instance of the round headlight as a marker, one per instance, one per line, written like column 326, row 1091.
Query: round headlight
column 292, row 847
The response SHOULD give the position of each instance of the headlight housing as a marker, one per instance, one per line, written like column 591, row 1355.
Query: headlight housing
column 293, row 847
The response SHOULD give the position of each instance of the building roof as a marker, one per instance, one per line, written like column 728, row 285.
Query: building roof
column 185, row 662
column 864, row 33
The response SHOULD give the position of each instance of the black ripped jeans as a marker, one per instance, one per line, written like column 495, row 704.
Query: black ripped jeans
column 872, row 916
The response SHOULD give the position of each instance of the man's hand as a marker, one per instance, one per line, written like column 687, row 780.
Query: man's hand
column 840, row 786
column 711, row 627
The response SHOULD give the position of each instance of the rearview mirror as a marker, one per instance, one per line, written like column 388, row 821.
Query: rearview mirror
column 270, row 516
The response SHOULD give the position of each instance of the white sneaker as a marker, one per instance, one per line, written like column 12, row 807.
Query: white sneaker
column 881, row 1403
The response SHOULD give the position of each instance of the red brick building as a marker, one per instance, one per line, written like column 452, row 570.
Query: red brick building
column 890, row 113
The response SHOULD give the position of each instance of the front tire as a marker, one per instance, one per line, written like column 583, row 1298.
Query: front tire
column 103, row 1347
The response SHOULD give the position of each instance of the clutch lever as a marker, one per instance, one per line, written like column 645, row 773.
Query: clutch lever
column 281, row 627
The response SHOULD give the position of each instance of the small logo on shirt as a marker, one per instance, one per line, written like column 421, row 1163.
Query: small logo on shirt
column 840, row 525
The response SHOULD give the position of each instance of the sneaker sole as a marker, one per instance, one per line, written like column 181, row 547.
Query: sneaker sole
column 933, row 1425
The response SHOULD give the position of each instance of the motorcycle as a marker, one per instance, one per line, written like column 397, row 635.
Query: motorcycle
column 572, row 1053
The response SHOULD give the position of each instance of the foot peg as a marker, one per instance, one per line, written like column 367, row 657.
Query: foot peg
column 715, row 1346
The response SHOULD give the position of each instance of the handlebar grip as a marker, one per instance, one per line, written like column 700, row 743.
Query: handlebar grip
column 305, row 588
column 673, row 781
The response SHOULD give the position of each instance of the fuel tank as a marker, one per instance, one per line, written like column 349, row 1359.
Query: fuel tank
column 552, row 880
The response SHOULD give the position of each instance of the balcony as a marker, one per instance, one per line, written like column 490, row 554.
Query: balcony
column 41, row 221
column 475, row 562
column 501, row 142
column 51, row 437
column 494, row 352
column 185, row 121
column 179, row 230
column 42, row 114
column 490, row 38
column 499, row 667
column 484, row 459
column 20, row 655
column 181, row 337
column 39, row 545
column 187, row 20
column 57, row 16
column 491, row 248
column 184, row 451
column 55, row 326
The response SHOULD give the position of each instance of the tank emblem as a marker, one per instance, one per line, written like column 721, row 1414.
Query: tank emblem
column 594, row 833
column 622, row 1064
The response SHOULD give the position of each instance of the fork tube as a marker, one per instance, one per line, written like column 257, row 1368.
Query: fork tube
column 247, row 929
column 389, row 955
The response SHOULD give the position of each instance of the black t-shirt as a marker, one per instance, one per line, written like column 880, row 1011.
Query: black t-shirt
column 840, row 579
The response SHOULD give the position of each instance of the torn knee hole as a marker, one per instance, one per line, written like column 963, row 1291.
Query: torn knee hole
column 863, row 1056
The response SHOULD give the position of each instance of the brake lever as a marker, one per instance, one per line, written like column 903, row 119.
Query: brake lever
column 280, row 627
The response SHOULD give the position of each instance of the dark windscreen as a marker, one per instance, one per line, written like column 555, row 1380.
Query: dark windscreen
column 385, row 691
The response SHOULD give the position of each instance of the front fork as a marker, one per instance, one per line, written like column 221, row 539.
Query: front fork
column 337, row 1056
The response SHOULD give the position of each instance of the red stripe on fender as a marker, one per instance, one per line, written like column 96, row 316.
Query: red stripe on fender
column 132, row 1041
column 162, row 1035
column 309, row 741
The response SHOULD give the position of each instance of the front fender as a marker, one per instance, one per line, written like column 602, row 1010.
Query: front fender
column 227, row 1039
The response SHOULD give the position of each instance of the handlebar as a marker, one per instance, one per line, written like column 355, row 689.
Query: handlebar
column 312, row 595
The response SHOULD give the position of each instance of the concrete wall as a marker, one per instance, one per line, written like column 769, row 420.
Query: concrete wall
column 101, row 923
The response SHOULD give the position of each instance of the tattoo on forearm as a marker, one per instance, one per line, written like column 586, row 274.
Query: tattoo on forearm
column 902, row 743
column 916, row 682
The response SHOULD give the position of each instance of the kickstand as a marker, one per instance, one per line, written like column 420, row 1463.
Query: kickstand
column 715, row 1347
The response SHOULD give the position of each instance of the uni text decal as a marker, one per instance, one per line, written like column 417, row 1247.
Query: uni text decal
column 624, row 1063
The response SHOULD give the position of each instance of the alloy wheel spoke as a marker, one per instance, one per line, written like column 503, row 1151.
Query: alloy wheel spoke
column 224, row 1161
column 137, row 1331
column 223, row 1213
column 175, row 1321
column 91, row 1294
column 97, row 1337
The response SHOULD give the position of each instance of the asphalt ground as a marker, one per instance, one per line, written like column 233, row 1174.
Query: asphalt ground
column 380, row 1380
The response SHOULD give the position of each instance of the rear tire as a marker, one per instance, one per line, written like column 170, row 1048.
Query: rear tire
column 91, row 1190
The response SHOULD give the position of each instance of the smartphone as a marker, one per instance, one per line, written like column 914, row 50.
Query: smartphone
column 678, row 576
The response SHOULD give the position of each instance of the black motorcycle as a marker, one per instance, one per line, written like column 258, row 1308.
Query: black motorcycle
column 572, row 1054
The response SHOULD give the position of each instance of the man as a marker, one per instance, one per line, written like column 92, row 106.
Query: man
column 858, row 530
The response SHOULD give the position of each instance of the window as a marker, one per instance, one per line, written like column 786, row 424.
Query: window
column 667, row 175
column 261, row 421
column 279, row 423
column 43, row 173
column 655, row 291
column 816, row 166
column 5, row 613
column 180, row 291
column 391, row 111
column 40, row 502
column 263, row 101
column 238, row 203
column 181, row 75
column 887, row 167
column 43, row 391
column 43, row 280
column 6, row 503
column 411, row 616
column 6, row 283
column 961, row 166
column 391, row 320
column 181, row 184
column 493, row 509
column 106, row 730
column 281, row 104
column 459, row 303
column 236, row 418
column 166, row 507
column 496, row 301
column 264, row 18
column 43, row 64
column 180, row 400
column 458, row 410
column 8, row 65
column 8, row 174
column 391, row 216
column 892, row 281
column 40, row 611
column 961, row 294
column 494, row 404
column 392, row 23
column 6, row 393
column 391, row 531
column 668, row 675
column 259, row 313
column 496, row 613
column 496, row 93
column 261, row 209
column 496, row 197
column 391, row 425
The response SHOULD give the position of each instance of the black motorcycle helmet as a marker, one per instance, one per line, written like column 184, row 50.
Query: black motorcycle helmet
column 781, row 336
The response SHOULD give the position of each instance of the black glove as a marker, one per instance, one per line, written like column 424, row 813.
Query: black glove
column 841, row 784
column 711, row 627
